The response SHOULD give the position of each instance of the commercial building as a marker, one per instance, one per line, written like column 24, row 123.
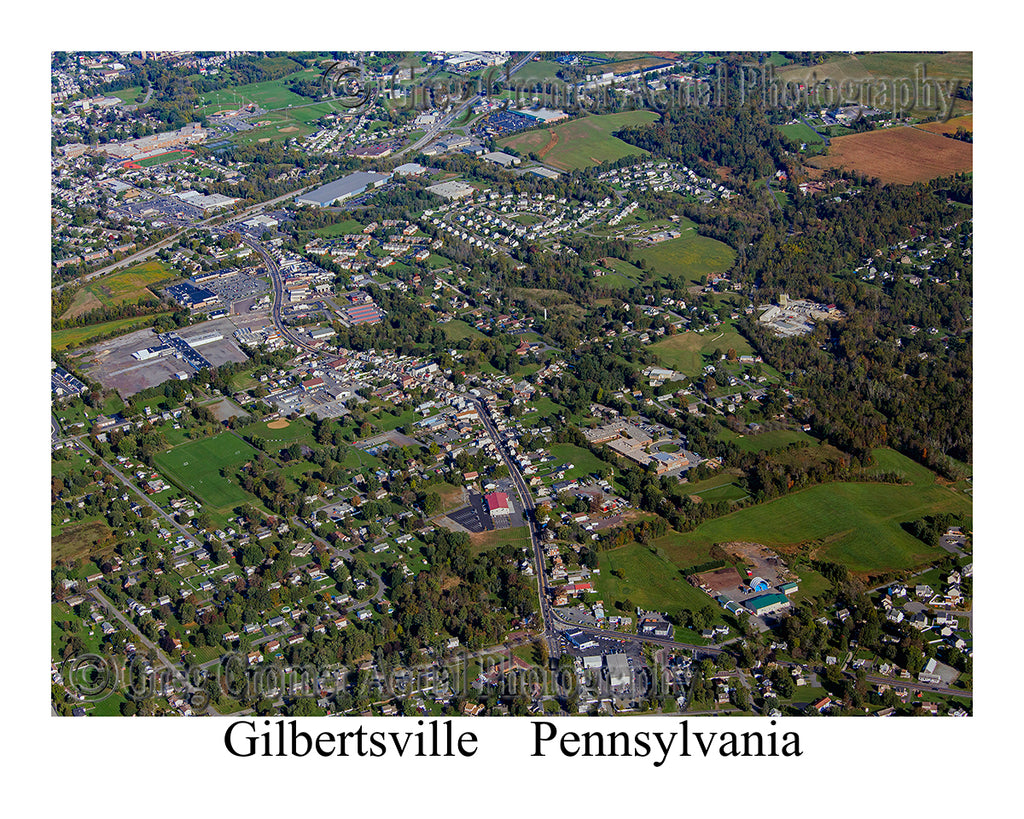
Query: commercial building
column 618, row 670
column 498, row 504
column 342, row 189
column 363, row 314
column 545, row 115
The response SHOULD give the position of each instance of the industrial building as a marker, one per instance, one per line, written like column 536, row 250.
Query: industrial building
column 451, row 190
column 501, row 158
column 342, row 189
column 767, row 603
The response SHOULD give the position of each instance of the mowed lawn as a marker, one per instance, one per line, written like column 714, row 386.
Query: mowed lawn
column 119, row 287
column 685, row 352
column 583, row 142
column 691, row 256
column 857, row 524
column 196, row 467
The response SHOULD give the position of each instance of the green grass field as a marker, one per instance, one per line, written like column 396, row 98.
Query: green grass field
column 689, row 352
column 118, row 287
column 584, row 462
column 339, row 229
column 298, row 431
column 648, row 581
column 537, row 71
column 458, row 329
column 801, row 132
column 161, row 159
column 128, row 95
column 196, row 467
column 79, row 336
column 766, row 440
column 856, row 524
column 583, row 142
column 691, row 256
column 269, row 95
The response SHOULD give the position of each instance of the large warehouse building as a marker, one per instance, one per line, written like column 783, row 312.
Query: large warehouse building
column 342, row 189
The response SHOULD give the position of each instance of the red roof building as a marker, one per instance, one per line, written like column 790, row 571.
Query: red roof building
column 497, row 504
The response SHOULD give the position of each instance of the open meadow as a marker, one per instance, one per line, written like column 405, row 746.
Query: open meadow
column 582, row 142
column 119, row 287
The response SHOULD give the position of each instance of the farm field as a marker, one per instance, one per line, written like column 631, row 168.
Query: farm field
column 582, row 142
column 685, row 352
column 950, row 64
column 949, row 126
column 900, row 155
column 78, row 336
column 119, row 287
column 691, row 256
column 855, row 524
column 197, row 466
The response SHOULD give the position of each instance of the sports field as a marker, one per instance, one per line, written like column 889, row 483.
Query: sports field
column 852, row 523
column 801, row 132
column 900, row 155
column 298, row 431
column 268, row 95
column 691, row 256
column 197, row 465
column 685, row 352
column 582, row 142
column 119, row 287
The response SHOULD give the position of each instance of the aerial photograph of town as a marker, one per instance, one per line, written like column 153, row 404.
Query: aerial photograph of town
column 545, row 384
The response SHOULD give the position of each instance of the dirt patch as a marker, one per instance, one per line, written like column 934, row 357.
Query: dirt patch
column 291, row 129
column 280, row 423
column 264, row 139
column 543, row 152
column 727, row 579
